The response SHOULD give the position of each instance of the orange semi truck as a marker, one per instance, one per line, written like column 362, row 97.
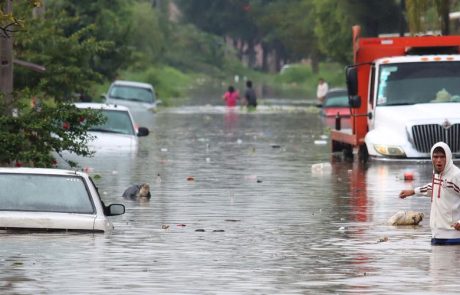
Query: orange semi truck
column 404, row 95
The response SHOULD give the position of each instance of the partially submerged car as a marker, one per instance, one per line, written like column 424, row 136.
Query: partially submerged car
column 336, row 104
column 119, row 132
column 52, row 199
column 134, row 95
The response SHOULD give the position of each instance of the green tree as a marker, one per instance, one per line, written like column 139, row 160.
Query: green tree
column 111, row 22
column 30, row 137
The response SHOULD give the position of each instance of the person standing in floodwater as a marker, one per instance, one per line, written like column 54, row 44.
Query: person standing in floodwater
column 444, row 190
column 321, row 91
column 231, row 97
column 250, row 95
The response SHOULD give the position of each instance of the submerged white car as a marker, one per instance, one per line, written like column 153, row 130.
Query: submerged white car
column 52, row 199
column 118, row 133
column 134, row 95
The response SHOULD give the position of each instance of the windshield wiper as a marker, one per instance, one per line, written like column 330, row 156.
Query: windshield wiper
column 136, row 99
column 398, row 104
column 104, row 130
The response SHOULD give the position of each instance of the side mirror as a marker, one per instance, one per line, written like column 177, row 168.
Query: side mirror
column 352, row 80
column 142, row 131
column 354, row 101
column 115, row 209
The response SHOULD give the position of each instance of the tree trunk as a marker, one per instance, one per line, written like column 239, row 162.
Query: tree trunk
column 443, row 7
column 6, row 62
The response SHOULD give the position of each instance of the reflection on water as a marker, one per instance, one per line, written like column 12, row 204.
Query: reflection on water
column 236, row 208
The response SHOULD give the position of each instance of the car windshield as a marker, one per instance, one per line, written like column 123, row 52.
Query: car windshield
column 337, row 99
column 132, row 93
column 44, row 193
column 421, row 82
column 117, row 122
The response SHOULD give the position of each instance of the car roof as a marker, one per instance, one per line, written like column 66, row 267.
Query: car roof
column 43, row 171
column 101, row 106
column 132, row 83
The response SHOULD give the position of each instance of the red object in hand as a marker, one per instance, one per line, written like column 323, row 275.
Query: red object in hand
column 408, row 176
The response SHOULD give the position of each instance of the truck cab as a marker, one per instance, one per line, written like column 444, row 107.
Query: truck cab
column 404, row 95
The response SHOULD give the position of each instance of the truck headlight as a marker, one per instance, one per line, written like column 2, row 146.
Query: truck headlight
column 389, row 150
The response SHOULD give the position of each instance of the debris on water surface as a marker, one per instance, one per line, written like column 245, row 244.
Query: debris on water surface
column 276, row 146
column 381, row 240
column 218, row 231
column 200, row 230
column 164, row 149
column 239, row 141
column 190, row 178
column 259, row 181
column 181, row 225
column 320, row 142
column 232, row 220
column 342, row 228
column 320, row 167
column 164, row 226
column 408, row 176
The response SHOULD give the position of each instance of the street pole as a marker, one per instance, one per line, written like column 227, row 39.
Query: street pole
column 6, row 62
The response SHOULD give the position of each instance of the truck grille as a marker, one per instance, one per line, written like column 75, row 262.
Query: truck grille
column 425, row 136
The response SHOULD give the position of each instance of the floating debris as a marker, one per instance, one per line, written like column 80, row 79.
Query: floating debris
column 190, row 178
column 403, row 217
column 276, row 146
column 381, row 240
column 408, row 176
column 218, row 231
column 232, row 220
column 318, row 167
column 200, row 230
column 164, row 226
column 181, row 225
column 164, row 149
column 320, row 142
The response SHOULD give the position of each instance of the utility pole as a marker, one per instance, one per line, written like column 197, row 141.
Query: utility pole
column 6, row 62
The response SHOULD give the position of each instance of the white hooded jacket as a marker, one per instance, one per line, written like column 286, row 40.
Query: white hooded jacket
column 445, row 197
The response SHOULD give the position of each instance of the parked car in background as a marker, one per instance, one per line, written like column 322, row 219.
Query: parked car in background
column 52, row 199
column 336, row 102
column 134, row 95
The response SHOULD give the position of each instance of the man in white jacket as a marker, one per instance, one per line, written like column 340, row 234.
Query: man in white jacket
column 445, row 197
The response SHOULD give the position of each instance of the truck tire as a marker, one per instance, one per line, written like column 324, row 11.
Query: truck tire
column 363, row 154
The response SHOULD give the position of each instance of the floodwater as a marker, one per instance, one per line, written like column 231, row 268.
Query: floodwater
column 241, row 204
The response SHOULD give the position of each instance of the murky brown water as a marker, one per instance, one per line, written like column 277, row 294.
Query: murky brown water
column 256, row 219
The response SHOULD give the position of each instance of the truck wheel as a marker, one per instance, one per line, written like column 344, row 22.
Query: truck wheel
column 363, row 154
column 348, row 151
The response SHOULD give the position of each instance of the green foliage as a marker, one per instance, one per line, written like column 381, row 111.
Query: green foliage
column 111, row 21
column 146, row 37
column 67, row 57
column 29, row 138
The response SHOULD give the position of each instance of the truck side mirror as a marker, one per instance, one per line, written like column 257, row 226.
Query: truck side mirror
column 352, row 85
column 352, row 80
column 354, row 101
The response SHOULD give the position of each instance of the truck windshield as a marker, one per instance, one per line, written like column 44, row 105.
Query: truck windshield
column 418, row 82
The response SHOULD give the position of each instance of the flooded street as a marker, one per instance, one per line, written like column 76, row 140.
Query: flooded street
column 237, row 208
